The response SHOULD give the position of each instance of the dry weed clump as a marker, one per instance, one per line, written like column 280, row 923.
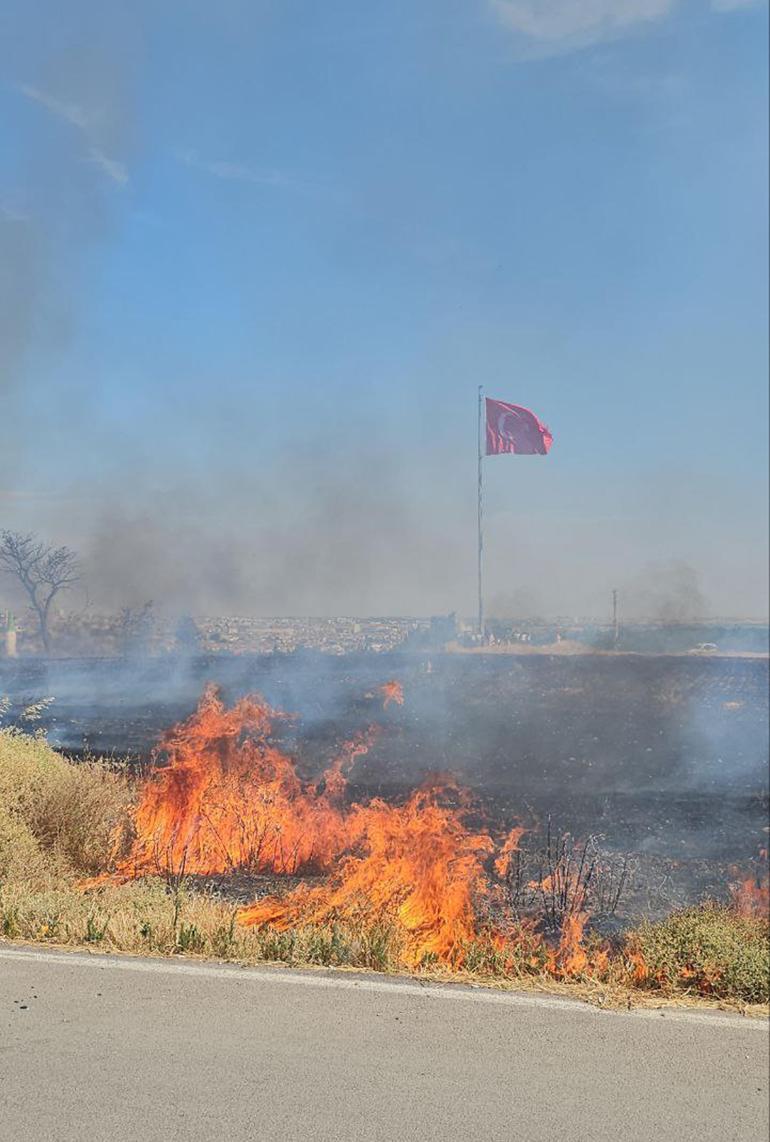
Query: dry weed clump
column 58, row 818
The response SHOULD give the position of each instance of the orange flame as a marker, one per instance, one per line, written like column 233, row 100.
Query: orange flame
column 751, row 893
column 570, row 957
column 640, row 969
column 510, row 846
column 417, row 864
column 230, row 799
column 392, row 692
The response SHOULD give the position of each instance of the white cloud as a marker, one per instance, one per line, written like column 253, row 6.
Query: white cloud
column 237, row 172
column 578, row 22
column 241, row 172
column 551, row 26
column 85, row 123
column 111, row 167
column 70, row 112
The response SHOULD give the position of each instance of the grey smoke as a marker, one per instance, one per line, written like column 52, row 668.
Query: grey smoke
column 22, row 269
column 322, row 533
column 667, row 592
column 188, row 505
column 522, row 603
column 69, row 71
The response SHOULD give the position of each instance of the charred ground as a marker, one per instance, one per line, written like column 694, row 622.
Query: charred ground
column 664, row 756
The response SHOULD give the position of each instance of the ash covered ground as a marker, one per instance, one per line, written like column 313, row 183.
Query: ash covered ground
column 665, row 757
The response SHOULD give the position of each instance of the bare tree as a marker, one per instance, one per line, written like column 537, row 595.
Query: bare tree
column 42, row 570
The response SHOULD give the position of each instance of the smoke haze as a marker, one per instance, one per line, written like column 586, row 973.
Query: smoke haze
column 247, row 384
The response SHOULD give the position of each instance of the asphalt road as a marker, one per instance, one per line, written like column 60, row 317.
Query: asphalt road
column 125, row 1049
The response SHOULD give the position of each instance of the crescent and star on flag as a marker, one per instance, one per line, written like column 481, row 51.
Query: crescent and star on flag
column 511, row 428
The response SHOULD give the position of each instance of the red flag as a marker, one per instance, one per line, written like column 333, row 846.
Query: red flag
column 511, row 428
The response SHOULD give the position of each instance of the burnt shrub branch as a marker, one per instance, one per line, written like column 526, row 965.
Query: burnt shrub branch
column 565, row 877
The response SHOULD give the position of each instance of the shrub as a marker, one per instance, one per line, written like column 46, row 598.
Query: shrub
column 21, row 857
column 710, row 949
column 55, row 815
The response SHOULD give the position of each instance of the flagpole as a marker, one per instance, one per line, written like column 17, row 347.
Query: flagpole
column 481, row 515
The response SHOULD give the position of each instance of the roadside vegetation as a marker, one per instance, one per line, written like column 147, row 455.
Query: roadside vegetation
column 62, row 823
column 59, row 821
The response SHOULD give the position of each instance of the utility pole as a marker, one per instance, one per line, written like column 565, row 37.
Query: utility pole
column 615, row 626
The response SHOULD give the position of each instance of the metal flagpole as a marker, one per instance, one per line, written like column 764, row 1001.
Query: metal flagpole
column 481, row 514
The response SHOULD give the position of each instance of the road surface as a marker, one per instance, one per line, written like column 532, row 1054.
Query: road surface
column 115, row 1048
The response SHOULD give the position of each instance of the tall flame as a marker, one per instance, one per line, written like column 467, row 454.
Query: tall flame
column 229, row 799
column 416, row 863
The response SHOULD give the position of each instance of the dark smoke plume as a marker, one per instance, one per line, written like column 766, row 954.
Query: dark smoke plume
column 667, row 592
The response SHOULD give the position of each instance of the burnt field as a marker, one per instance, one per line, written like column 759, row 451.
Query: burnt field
column 664, row 757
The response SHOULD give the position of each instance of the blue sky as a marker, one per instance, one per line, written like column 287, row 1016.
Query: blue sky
column 259, row 255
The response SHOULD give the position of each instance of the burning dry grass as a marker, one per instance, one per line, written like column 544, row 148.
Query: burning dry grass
column 148, row 917
column 419, row 886
column 229, row 799
column 415, row 864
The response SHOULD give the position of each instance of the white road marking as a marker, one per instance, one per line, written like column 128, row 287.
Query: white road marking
column 350, row 982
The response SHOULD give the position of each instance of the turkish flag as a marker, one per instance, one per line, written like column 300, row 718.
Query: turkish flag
column 511, row 428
